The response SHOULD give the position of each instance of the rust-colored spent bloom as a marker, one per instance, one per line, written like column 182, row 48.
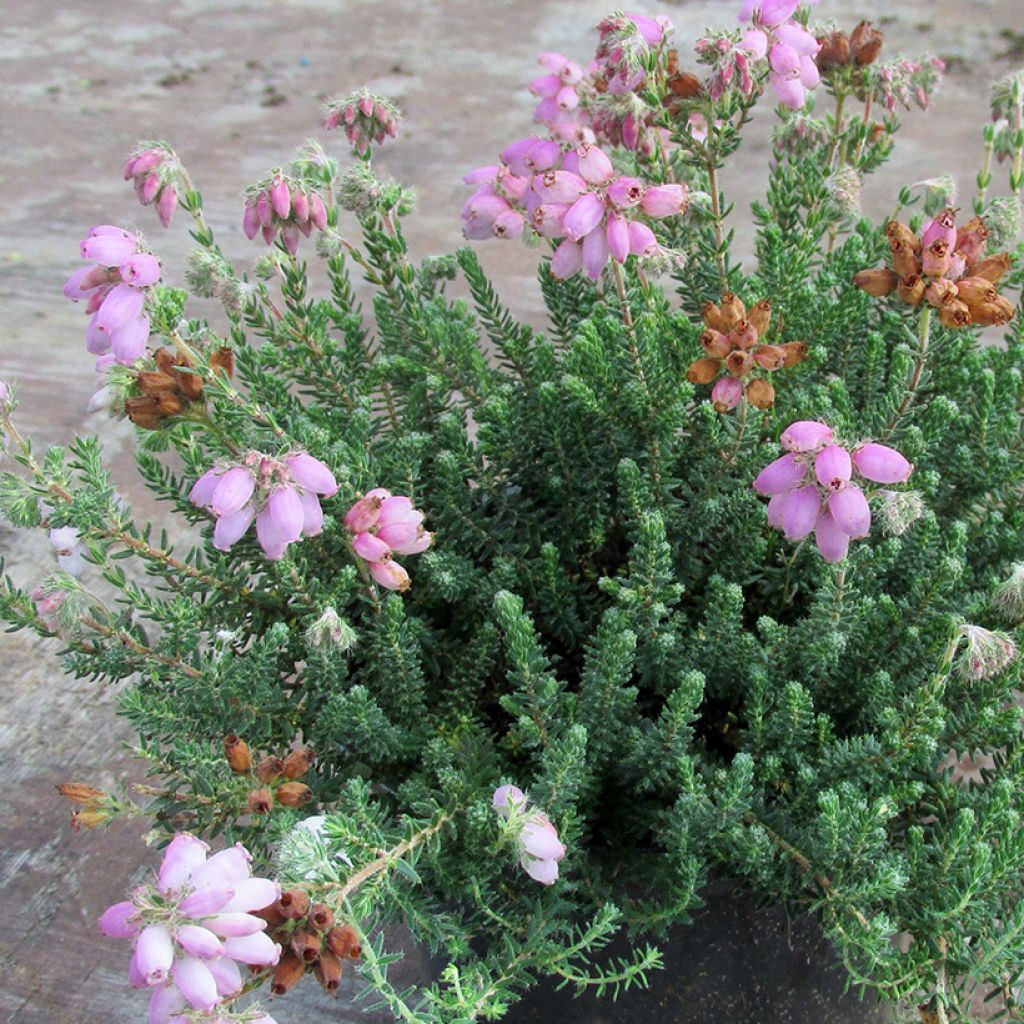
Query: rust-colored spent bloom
column 736, row 352
column 947, row 267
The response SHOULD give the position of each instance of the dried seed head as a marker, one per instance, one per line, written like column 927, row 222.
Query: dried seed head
column 992, row 268
column 305, row 944
column 289, row 972
column 321, row 917
column 343, row 942
column 714, row 318
column 878, row 281
column 760, row 317
column 261, row 801
column 269, row 768
column 865, row 44
column 297, row 763
column 293, row 904
column 703, row 371
column 796, row 352
column 238, row 753
column 81, row 793
column 294, row 794
column 761, row 393
column 733, row 310
column 955, row 313
column 911, row 289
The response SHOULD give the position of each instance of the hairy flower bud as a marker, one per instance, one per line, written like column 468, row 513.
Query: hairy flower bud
column 985, row 653
column 1009, row 596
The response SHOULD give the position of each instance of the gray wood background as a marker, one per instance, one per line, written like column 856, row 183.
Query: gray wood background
column 235, row 87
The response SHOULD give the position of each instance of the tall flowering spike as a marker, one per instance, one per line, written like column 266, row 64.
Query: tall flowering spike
column 817, row 487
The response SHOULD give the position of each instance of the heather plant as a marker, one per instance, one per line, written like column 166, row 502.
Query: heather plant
column 520, row 636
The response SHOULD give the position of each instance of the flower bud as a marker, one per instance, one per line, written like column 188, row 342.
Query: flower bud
column 986, row 653
column 328, row 971
column 343, row 942
column 238, row 753
column 288, row 973
column 293, row 904
column 972, row 239
column 703, row 371
column 294, row 794
column 297, row 763
column 760, row 393
column 1009, row 596
column 879, row 281
column 726, row 394
column 261, row 801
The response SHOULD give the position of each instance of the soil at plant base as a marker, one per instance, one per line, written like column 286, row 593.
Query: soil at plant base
column 235, row 88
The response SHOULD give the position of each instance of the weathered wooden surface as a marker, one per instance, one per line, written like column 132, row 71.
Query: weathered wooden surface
column 234, row 87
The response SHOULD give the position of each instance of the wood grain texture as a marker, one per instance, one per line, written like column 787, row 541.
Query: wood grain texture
column 234, row 87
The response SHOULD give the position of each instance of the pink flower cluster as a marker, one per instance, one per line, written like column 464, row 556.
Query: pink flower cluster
column 573, row 101
column 813, row 487
column 115, row 290
column 193, row 927
column 383, row 525
column 367, row 119
column 151, row 168
column 903, row 82
column 49, row 601
column 789, row 47
column 575, row 196
column 286, row 207
column 540, row 849
column 280, row 494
